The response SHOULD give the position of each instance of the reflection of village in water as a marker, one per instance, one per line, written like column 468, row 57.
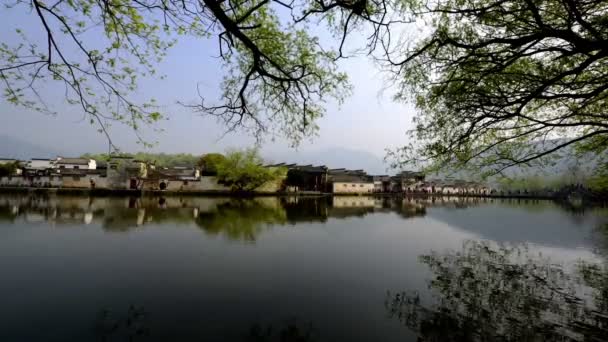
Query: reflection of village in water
column 123, row 213
column 487, row 290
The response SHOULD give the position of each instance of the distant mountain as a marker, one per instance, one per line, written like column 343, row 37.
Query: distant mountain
column 561, row 164
column 11, row 147
column 333, row 158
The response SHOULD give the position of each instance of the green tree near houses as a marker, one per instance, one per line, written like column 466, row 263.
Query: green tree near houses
column 209, row 162
column 243, row 170
column 8, row 169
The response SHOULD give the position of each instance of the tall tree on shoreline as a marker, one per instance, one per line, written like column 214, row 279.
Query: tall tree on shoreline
column 243, row 170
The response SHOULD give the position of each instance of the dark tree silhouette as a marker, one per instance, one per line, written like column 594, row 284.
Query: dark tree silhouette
column 505, row 82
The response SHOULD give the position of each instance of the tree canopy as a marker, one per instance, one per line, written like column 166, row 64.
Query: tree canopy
column 243, row 170
column 499, row 83
column 496, row 83
column 209, row 162
column 277, row 74
column 8, row 169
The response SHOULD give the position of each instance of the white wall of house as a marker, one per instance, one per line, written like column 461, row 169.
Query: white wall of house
column 449, row 190
column 408, row 186
column 425, row 188
column 205, row 183
column 84, row 182
column 91, row 165
column 40, row 164
column 352, row 188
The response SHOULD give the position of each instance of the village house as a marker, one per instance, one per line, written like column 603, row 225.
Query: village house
column 75, row 163
column 125, row 172
column 305, row 177
column 176, row 178
column 448, row 187
column 382, row 184
column 342, row 181
column 410, row 180
column 39, row 166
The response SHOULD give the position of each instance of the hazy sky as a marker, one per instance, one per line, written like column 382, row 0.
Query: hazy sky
column 367, row 121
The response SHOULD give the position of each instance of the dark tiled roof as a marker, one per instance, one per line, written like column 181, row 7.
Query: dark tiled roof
column 410, row 174
column 305, row 168
column 289, row 166
column 337, row 172
column 176, row 171
column 351, row 179
column 311, row 168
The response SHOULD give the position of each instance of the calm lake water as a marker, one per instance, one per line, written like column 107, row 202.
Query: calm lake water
column 289, row 269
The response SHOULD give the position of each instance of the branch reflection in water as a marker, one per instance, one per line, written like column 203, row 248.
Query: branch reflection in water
column 134, row 325
column 489, row 291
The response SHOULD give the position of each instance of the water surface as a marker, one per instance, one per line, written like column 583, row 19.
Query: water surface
column 294, row 269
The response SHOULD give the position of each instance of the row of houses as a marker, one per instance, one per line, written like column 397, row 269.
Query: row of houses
column 119, row 173
column 304, row 178
column 124, row 172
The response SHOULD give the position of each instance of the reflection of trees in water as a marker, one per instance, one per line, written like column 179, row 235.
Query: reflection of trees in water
column 290, row 331
column 306, row 209
column 599, row 239
column 130, row 326
column 8, row 214
column 539, row 205
column 487, row 292
column 122, row 214
column 134, row 325
column 241, row 219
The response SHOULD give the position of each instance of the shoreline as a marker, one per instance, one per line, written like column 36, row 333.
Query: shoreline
column 221, row 193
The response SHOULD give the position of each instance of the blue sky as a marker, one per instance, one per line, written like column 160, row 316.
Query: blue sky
column 368, row 121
